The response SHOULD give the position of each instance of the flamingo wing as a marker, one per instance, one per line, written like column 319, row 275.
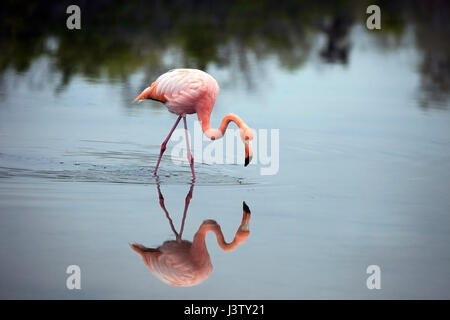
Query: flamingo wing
column 176, row 267
column 182, row 89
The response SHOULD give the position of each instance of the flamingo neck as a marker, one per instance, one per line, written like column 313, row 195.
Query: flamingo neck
column 199, row 250
column 199, row 243
column 225, row 246
column 218, row 133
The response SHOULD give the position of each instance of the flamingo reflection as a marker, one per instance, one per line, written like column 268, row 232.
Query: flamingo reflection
column 183, row 263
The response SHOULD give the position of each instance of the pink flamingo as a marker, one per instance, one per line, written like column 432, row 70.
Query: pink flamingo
column 188, row 91
column 183, row 263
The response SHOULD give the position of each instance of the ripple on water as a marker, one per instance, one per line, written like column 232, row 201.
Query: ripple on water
column 122, row 174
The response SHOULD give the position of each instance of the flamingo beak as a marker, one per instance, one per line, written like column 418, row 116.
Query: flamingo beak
column 143, row 95
column 246, row 214
column 244, row 228
column 248, row 154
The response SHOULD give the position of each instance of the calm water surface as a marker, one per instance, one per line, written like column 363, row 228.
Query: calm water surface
column 363, row 179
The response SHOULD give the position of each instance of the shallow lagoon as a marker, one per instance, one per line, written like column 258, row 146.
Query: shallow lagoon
column 363, row 179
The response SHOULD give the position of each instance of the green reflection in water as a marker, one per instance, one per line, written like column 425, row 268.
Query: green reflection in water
column 119, row 38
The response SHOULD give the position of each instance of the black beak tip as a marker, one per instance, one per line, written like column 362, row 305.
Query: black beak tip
column 247, row 161
column 245, row 207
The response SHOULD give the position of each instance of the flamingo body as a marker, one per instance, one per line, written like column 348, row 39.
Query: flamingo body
column 188, row 91
column 184, row 263
column 175, row 264
column 184, row 91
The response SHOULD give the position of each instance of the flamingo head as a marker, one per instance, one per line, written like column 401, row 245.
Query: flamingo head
column 247, row 136
column 244, row 227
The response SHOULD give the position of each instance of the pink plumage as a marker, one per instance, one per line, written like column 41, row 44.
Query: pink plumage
column 188, row 91
column 183, row 263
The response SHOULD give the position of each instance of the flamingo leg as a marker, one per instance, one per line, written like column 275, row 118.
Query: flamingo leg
column 186, row 207
column 164, row 144
column 163, row 207
column 189, row 154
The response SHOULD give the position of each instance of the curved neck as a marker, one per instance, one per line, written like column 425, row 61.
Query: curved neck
column 198, row 250
column 199, row 244
column 225, row 246
column 218, row 133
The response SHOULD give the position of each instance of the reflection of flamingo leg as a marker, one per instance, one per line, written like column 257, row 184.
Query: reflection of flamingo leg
column 187, row 201
column 163, row 207
column 186, row 207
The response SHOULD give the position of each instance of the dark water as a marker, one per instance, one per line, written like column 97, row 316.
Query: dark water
column 364, row 149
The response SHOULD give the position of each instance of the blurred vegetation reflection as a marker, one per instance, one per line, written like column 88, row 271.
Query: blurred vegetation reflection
column 119, row 38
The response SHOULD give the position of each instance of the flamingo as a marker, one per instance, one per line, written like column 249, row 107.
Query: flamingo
column 188, row 91
column 183, row 263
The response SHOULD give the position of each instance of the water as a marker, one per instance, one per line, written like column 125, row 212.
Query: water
column 363, row 176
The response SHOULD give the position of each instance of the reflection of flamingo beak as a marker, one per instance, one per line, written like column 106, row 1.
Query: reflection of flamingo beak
column 245, row 208
column 248, row 154
column 244, row 228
